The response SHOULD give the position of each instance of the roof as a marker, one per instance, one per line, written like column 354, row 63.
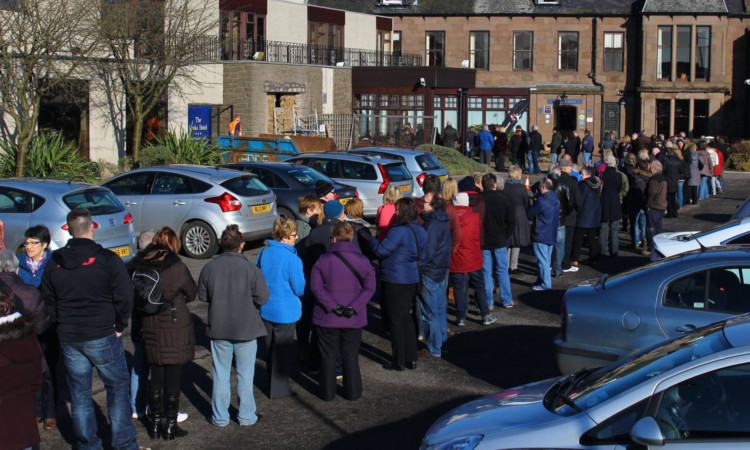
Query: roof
column 49, row 184
column 686, row 7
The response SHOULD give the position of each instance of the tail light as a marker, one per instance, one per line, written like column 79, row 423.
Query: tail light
column 127, row 219
column 226, row 201
column 420, row 178
column 386, row 180
column 356, row 193
column 65, row 226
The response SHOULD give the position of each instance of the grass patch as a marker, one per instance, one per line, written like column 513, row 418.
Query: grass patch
column 453, row 161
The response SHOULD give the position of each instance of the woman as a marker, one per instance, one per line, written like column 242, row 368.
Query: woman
column 282, row 269
column 342, row 278
column 706, row 169
column 623, row 149
column 354, row 211
column 168, row 336
column 386, row 216
column 519, row 199
column 450, row 189
column 695, row 175
column 401, row 254
column 20, row 376
column 34, row 259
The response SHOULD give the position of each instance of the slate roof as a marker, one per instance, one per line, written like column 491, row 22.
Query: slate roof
column 685, row 6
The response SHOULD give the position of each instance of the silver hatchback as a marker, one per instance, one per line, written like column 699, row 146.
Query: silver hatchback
column 419, row 163
column 26, row 202
column 198, row 202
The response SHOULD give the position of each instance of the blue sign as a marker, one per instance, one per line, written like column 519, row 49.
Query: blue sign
column 199, row 121
column 566, row 102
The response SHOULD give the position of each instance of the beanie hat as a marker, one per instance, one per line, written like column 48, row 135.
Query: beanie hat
column 461, row 199
column 333, row 208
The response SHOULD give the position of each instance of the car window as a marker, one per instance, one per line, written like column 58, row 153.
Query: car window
column 744, row 239
column 246, row 186
column 616, row 429
column 398, row 172
column 427, row 161
column 171, row 183
column 97, row 201
column 279, row 183
column 265, row 176
column 135, row 184
column 329, row 167
column 358, row 171
column 710, row 406
column 725, row 289
column 687, row 292
column 17, row 201
column 198, row 186
column 308, row 176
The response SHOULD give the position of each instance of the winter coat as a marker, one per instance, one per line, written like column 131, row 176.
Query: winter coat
column 672, row 172
column 637, row 193
column 575, row 195
column 470, row 145
column 610, row 197
column 719, row 168
column 708, row 166
column 695, row 172
column 333, row 283
column 587, row 145
column 516, row 144
column 303, row 227
column 362, row 236
column 438, row 250
column 235, row 289
column 589, row 216
column 623, row 148
column 31, row 300
column 499, row 220
column 572, row 148
column 24, row 271
column 546, row 213
column 285, row 279
column 554, row 146
column 449, row 136
column 535, row 141
column 564, row 197
column 385, row 219
column 468, row 257
column 398, row 253
column 520, row 201
column 607, row 143
column 454, row 226
column 486, row 140
column 169, row 336
column 20, row 375
column 656, row 193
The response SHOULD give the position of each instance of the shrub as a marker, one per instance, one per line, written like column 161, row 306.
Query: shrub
column 155, row 155
column 454, row 161
column 739, row 156
column 181, row 149
column 49, row 156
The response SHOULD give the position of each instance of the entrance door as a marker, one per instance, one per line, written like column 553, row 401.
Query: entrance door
column 566, row 119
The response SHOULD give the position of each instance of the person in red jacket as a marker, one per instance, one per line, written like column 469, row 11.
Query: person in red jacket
column 466, row 261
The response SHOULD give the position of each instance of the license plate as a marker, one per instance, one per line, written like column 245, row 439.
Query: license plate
column 404, row 188
column 443, row 178
column 344, row 201
column 261, row 208
column 121, row 251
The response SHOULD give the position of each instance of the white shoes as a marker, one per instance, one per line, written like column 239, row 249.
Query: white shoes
column 181, row 416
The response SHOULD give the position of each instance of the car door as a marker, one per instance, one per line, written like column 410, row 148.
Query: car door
column 168, row 203
column 15, row 209
column 130, row 189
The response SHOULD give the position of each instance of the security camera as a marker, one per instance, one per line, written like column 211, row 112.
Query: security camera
column 747, row 82
column 422, row 82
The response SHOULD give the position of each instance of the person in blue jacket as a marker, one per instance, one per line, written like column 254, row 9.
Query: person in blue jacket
column 34, row 259
column 402, row 255
column 545, row 211
column 282, row 269
column 486, row 142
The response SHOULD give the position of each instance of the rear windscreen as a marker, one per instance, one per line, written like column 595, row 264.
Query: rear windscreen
column 397, row 172
column 98, row 202
column 428, row 161
column 308, row 176
column 246, row 186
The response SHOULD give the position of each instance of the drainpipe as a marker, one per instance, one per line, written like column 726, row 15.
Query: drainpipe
column 592, row 74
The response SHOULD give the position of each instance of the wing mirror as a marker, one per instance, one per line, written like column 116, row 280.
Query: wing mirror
column 647, row 432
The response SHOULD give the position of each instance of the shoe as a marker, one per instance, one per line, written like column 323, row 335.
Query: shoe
column 461, row 323
column 489, row 319
column 395, row 367
column 509, row 305
column 426, row 354
column 259, row 416
column 538, row 287
column 155, row 427
column 512, row 271
column 136, row 415
column 571, row 269
column 339, row 377
column 171, row 430
column 420, row 338
column 450, row 332
column 50, row 424
column 411, row 365
column 181, row 417
column 492, row 307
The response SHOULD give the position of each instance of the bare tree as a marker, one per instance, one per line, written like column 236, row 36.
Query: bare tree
column 155, row 46
column 43, row 43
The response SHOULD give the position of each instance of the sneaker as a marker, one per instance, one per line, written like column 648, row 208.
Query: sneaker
column 420, row 338
column 136, row 415
column 461, row 323
column 489, row 319
column 538, row 287
column 571, row 269
column 509, row 305
column 181, row 417
column 340, row 376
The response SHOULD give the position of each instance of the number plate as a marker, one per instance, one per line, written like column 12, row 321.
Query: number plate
column 344, row 201
column 121, row 251
column 261, row 208
column 442, row 178
column 404, row 188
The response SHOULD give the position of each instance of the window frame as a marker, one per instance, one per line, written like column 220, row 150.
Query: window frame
column 433, row 55
column 685, row 76
column 474, row 51
column 566, row 54
column 613, row 51
column 530, row 51
column 660, row 47
column 706, row 70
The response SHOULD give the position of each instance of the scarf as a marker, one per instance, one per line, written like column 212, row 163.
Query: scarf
column 34, row 265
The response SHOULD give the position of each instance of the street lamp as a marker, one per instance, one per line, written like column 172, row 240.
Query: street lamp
column 563, row 98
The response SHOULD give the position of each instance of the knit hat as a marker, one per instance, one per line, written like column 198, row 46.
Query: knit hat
column 333, row 208
column 610, row 161
column 564, row 162
column 461, row 199
column 467, row 184
column 322, row 188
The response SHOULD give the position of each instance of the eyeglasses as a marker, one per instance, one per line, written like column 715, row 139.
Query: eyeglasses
column 30, row 243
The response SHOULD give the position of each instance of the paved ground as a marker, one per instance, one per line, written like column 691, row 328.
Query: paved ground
column 398, row 407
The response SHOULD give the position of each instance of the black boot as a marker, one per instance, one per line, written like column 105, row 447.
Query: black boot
column 155, row 428
column 172, row 431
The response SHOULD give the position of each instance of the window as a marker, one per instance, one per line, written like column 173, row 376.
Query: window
column 328, row 167
column 723, row 289
column 15, row 201
column 358, row 170
column 613, row 51
column 98, row 202
column 663, row 117
column 700, row 118
column 664, row 53
column 384, row 41
column 523, row 46
column 245, row 186
column 169, row 183
column 397, row 172
column 681, row 115
column 396, row 42
column 479, row 49
column 435, row 48
column 136, row 184
column 242, row 35
column 567, row 58
column 702, row 52
column 683, row 52
column 445, row 110
column 616, row 429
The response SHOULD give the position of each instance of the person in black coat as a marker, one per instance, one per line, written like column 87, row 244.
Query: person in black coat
column 535, row 146
column 500, row 147
column 589, row 216
column 573, row 147
column 449, row 135
column 575, row 205
column 673, row 172
column 517, row 153
column 611, row 207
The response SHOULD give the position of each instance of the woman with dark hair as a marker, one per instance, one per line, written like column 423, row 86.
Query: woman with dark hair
column 32, row 261
column 20, row 376
column 401, row 254
column 168, row 335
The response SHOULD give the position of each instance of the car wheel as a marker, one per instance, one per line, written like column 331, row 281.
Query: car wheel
column 286, row 213
column 199, row 240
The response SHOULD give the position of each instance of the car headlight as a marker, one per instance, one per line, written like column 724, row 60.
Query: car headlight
column 462, row 443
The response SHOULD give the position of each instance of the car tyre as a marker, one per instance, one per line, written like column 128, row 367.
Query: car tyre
column 199, row 240
column 286, row 213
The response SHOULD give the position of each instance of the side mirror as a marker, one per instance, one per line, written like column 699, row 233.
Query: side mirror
column 647, row 432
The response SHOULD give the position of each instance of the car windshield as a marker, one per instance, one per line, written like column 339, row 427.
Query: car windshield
column 588, row 388
column 97, row 201
column 397, row 172
column 308, row 176
column 246, row 186
column 427, row 161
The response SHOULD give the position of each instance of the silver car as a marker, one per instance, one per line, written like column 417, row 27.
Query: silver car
column 198, row 202
column 26, row 202
column 419, row 163
column 688, row 393
column 605, row 319
column 370, row 175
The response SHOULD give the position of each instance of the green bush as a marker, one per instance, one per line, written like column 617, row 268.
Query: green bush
column 48, row 156
column 155, row 155
column 739, row 156
column 454, row 161
column 180, row 149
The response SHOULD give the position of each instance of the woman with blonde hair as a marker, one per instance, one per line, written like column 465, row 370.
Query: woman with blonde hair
column 450, row 189
column 386, row 216
column 354, row 216
column 520, row 201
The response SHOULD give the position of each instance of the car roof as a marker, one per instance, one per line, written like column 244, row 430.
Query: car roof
column 57, row 185
column 391, row 150
column 215, row 172
column 348, row 157
column 270, row 165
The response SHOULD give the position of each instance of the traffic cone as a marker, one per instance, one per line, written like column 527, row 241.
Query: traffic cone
column 527, row 182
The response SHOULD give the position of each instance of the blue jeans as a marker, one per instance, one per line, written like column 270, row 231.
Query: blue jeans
column 609, row 229
column 108, row 357
column 498, row 256
column 703, row 189
column 638, row 227
column 530, row 162
column 558, row 252
column 433, row 301
column 461, row 282
column 138, row 379
column 543, row 253
column 586, row 158
column 553, row 157
column 680, row 186
column 244, row 353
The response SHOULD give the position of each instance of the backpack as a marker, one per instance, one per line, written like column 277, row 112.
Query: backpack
column 149, row 292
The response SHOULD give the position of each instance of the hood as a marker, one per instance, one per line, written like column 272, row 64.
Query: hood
column 76, row 252
column 593, row 182
column 467, row 185
column 157, row 257
column 511, row 409
column 14, row 330
column 436, row 214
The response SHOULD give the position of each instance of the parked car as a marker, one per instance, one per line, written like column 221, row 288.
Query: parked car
column 690, row 392
column 371, row 176
column 26, row 202
column 673, row 243
column 290, row 182
column 604, row 319
column 419, row 163
column 198, row 202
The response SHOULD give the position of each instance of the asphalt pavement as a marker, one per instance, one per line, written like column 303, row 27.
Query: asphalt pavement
column 397, row 408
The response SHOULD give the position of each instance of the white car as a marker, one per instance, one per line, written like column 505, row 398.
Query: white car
column 674, row 243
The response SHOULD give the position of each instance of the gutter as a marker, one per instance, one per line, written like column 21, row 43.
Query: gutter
column 592, row 74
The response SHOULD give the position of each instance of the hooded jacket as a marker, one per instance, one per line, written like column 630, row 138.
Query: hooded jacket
column 438, row 249
column 453, row 220
column 87, row 291
column 282, row 270
column 589, row 216
column 546, row 212
column 398, row 253
column 31, row 300
column 468, row 256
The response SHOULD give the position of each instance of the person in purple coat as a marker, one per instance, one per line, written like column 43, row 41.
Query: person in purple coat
column 343, row 281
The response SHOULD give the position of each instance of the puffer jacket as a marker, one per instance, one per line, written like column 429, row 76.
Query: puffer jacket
column 468, row 257
column 546, row 213
column 398, row 253
column 589, row 216
column 438, row 249
column 24, row 271
column 285, row 278
column 169, row 336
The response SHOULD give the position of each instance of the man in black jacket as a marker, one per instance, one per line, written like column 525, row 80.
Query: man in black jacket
column 570, row 220
column 566, row 207
column 449, row 135
column 535, row 146
column 573, row 147
column 88, row 294
column 673, row 172
column 499, row 221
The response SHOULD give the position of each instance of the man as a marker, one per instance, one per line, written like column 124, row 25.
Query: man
column 449, row 135
column 501, row 145
column 673, row 172
column 656, row 203
column 554, row 146
column 235, row 127
column 570, row 219
column 518, row 148
column 587, row 146
column 546, row 212
column 588, row 217
column 470, row 144
column 486, row 141
column 498, row 225
column 613, row 191
column 234, row 289
column 89, row 295
column 566, row 204
column 535, row 146
column 324, row 191
column 573, row 147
